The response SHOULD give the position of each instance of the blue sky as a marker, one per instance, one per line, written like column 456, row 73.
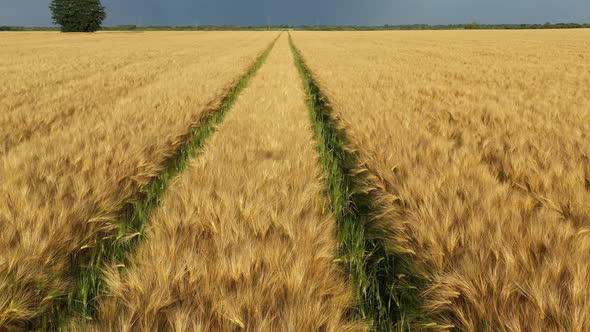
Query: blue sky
column 331, row 12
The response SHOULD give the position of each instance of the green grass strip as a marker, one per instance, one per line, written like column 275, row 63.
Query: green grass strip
column 82, row 301
column 386, row 293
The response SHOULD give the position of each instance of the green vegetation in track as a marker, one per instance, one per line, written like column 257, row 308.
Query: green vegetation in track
column 384, row 282
column 81, row 302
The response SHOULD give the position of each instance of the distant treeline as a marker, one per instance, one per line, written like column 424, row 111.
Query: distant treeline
column 17, row 28
column 190, row 28
column 468, row 26
column 473, row 25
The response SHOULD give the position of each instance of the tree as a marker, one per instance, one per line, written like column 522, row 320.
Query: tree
column 78, row 15
column 472, row 25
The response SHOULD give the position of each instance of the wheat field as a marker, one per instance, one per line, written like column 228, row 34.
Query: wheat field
column 243, row 240
column 479, row 146
column 221, row 181
column 69, row 169
column 58, row 80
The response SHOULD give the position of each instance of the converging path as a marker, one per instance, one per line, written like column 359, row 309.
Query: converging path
column 243, row 239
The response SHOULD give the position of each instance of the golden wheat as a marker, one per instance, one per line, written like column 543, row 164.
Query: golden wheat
column 47, row 92
column 242, row 241
column 61, row 188
column 480, row 146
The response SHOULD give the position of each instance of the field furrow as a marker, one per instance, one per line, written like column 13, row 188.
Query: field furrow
column 64, row 193
column 478, row 143
column 242, row 239
column 384, row 282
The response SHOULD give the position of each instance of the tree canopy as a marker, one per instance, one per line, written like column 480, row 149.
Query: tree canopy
column 78, row 15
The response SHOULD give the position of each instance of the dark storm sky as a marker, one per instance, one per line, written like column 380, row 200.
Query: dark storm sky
column 297, row 12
